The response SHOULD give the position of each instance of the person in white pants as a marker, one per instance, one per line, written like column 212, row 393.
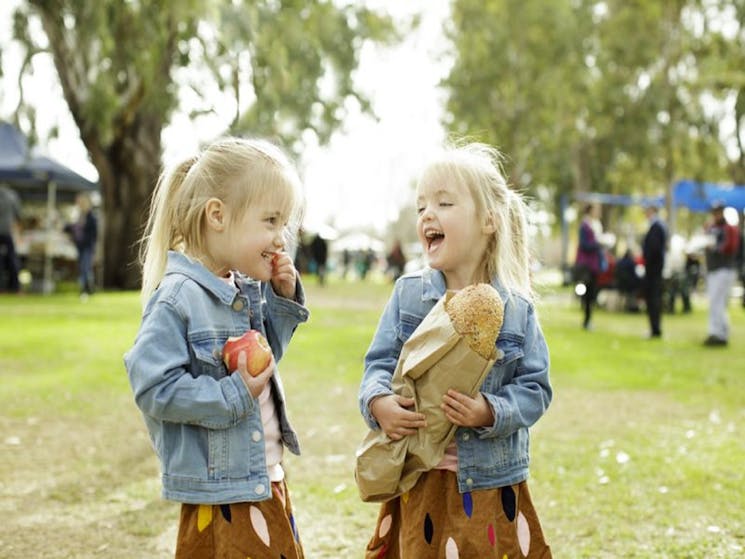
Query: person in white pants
column 718, row 288
column 720, row 274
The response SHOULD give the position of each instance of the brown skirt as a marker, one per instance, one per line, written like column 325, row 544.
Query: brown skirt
column 261, row 530
column 434, row 520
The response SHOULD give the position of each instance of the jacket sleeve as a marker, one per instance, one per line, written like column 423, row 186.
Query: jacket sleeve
column 158, row 370
column 521, row 402
column 380, row 360
column 283, row 317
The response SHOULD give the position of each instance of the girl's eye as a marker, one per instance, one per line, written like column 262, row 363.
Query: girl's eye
column 445, row 204
column 419, row 210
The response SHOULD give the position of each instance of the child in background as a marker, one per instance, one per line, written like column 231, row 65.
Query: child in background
column 476, row 502
column 214, row 266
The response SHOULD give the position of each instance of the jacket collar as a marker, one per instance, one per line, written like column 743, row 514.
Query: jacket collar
column 434, row 286
column 179, row 263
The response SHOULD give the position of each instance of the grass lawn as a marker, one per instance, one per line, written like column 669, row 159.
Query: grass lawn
column 640, row 455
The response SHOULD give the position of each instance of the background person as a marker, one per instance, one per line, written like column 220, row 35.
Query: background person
column 590, row 260
column 628, row 281
column 653, row 251
column 84, row 233
column 10, row 216
column 675, row 280
column 396, row 261
column 319, row 253
column 720, row 273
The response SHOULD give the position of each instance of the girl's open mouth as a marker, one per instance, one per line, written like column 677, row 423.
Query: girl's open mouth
column 434, row 239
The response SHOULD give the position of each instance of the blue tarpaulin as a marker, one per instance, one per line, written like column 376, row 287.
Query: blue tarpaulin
column 698, row 196
column 619, row 199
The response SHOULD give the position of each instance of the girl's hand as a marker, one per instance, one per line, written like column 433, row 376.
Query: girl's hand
column 464, row 411
column 394, row 417
column 284, row 275
column 255, row 384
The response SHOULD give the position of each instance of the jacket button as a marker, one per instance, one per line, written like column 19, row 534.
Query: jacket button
column 466, row 436
column 256, row 436
column 469, row 482
column 259, row 489
column 238, row 305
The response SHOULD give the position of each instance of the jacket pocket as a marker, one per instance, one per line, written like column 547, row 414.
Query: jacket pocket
column 407, row 323
column 207, row 359
column 509, row 352
column 511, row 451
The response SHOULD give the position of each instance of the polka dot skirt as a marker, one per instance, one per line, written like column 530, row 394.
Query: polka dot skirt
column 435, row 521
column 261, row 530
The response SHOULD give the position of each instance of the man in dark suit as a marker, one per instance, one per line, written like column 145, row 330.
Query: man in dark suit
column 653, row 250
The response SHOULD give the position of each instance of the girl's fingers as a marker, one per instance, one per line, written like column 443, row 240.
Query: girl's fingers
column 405, row 402
column 400, row 433
column 454, row 417
column 413, row 423
column 453, row 403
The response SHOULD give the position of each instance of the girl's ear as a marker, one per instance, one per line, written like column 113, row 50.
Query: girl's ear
column 214, row 212
column 489, row 226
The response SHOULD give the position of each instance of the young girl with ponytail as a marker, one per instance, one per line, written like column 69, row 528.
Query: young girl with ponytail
column 214, row 266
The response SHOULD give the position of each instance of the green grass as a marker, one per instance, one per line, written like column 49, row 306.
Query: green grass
column 640, row 455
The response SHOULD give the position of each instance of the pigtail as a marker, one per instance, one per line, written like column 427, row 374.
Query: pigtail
column 508, row 253
column 162, row 229
column 519, row 259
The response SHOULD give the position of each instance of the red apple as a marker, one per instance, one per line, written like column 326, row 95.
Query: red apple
column 258, row 352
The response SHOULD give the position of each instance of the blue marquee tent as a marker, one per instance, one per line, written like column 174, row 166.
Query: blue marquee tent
column 698, row 196
column 31, row 175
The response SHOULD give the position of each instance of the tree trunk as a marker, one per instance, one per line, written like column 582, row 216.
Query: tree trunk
column 134, row 163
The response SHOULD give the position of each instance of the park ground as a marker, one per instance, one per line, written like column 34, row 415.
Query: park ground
column 640, row 455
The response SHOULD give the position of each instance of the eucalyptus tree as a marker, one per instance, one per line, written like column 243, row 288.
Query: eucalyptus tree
column 285, row 65
column 518, row 82
column 593, row 95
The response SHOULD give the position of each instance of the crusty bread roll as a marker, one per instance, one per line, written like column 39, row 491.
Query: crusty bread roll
column 477, row 312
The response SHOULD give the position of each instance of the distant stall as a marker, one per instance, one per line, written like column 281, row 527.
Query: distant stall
column 42, row 183
column 693, row 195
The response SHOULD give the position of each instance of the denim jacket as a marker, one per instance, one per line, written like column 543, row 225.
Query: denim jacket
column 204, row 424
column 517, row 387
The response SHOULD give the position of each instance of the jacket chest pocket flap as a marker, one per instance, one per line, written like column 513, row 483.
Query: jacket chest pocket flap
column 407, row 323
column 207, row 358
column 509, row 352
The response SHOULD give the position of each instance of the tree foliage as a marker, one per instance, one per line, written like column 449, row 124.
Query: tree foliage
column 286, row 66
column 613, row 96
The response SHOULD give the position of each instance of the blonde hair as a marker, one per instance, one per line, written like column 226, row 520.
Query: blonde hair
column 239, row 172
column 478, row 167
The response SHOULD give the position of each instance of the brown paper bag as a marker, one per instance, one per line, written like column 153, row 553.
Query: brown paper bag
column 434, row 359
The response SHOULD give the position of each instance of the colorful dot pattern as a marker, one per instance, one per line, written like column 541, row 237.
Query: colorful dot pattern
column 264, row 529
column 494, row 523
